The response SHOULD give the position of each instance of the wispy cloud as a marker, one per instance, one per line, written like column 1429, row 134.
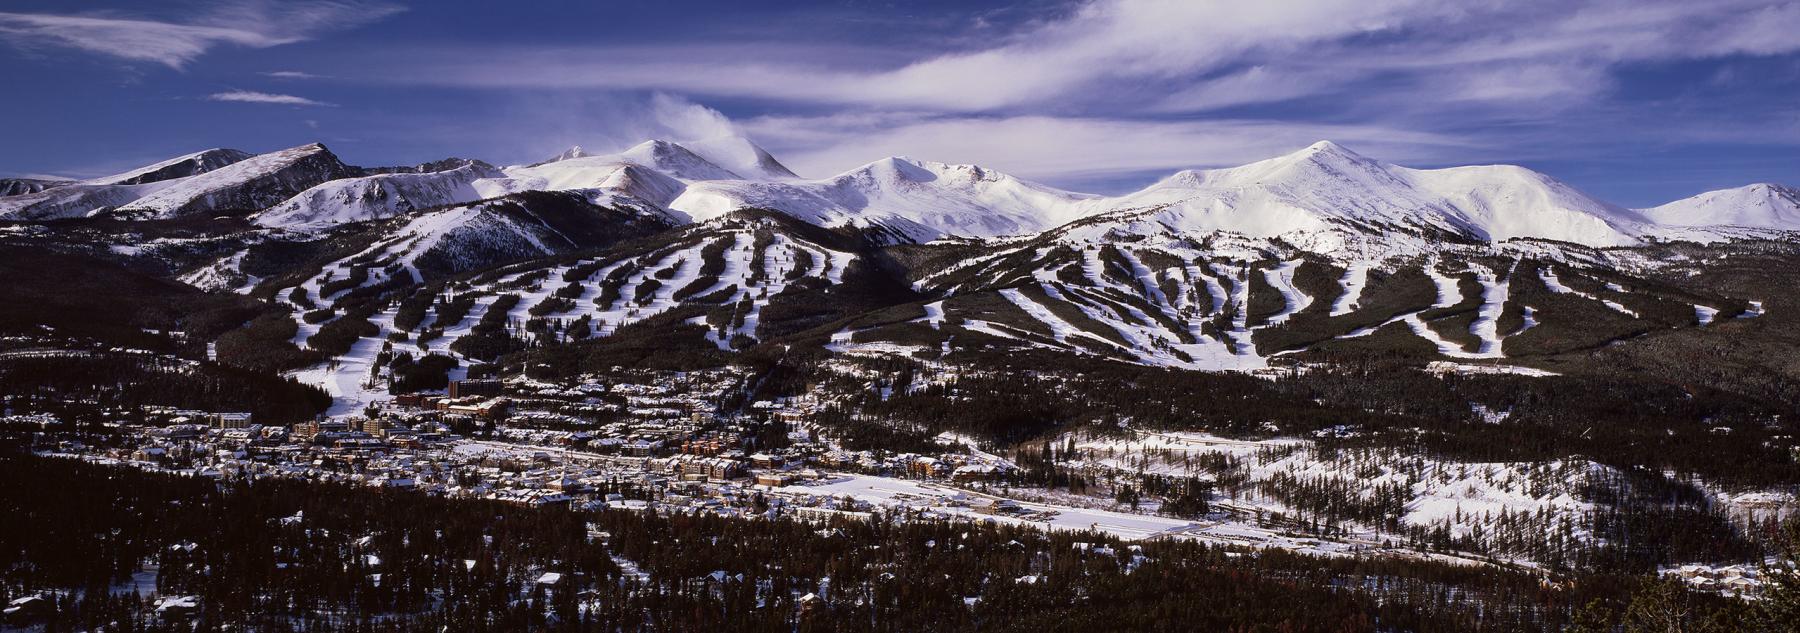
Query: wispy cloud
column 1157, row 84
column 173, row 45
column 291, row 74
column 250, row 96
column 1183, row 55
column 178, row 42
column 41, row 176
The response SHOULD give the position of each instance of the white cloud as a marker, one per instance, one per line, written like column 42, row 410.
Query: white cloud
column 518, row 128
column 1185, row 55
column 1257, row 84
column 138, row 40
column 249, row 96
column 680, row 119
column 41, row 176
column 291, row 74
column 542, row 125
column 248, row 23
column 1123, row 41
column 1134, row 86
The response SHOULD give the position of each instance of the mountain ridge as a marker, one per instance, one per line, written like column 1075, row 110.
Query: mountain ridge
column 1323, row 197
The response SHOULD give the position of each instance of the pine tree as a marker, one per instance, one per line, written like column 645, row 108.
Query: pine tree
column 1595, row 617
column 1779, row 607
column 1663, row 606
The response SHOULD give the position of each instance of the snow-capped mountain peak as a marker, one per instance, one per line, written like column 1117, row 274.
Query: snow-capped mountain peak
column 1327, row 189
column 574, row 151
column 1503, row 202
column 920, row 200
column 729, row 157
column 205, row 181
column 676, row 160
column 742, row 157
column 1760, row 206
column 897, row 169
column 178, row 167
column 385, row 195
column 670, row 162
column 252, row 184
column 1321, row 160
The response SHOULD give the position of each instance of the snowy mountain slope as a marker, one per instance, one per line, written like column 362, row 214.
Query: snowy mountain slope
column 741, row 156
column 74, row 200
column 385, row 196
column 1323, row 197
column 573, row 152
column 918, row 199
column 921, row 200
column 1503, row 202
column 1320, row 194
column 515, row 226
column 728, row 284
column 178, row 167
column 582, row 170
column 648, row 176
column 1224, row 306
column 1759, row 206
column 430, row 243
column 617, row 174
column 249, row 185
column 724, row 157
column 22, row 186
column 676, row 161
column 1299, row 191
column 47, row 200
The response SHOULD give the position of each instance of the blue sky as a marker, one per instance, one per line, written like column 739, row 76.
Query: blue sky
column 1639, row 102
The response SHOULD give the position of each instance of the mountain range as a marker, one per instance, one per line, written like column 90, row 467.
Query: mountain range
column 716, row 247
column 1325, row 196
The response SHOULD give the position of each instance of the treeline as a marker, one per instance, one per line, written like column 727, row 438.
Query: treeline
column 76, row 296
column 86, row 385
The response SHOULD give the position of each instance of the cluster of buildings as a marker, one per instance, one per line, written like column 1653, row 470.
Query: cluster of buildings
column 212, row 419
column 632, row 441
column 629, row 439
column 1736, row 580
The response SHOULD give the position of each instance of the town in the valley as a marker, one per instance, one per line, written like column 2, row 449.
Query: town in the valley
column 665, row 441
column 664, row 445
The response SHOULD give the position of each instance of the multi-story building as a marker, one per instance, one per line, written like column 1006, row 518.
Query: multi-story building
column 230, row 420
column 466, row 388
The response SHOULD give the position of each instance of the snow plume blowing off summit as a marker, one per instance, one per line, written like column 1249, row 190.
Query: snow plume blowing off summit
column 587, row 125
